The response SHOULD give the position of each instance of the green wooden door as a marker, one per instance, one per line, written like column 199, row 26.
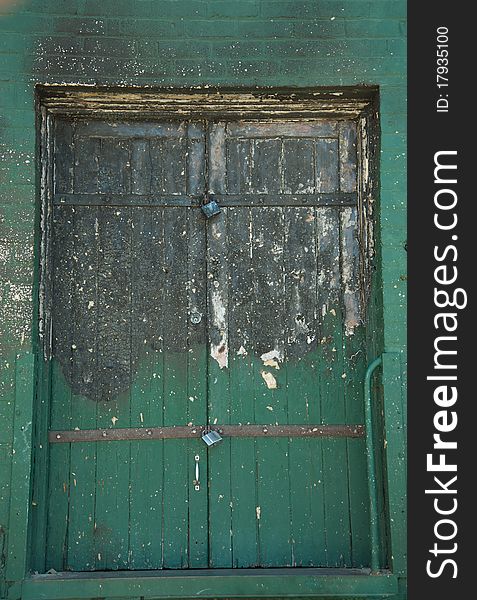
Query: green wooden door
column 161, row 318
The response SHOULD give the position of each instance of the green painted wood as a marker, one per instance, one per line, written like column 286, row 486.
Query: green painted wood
column 146, row 477
column 59, row 477
column 243, row 376
column 84, row 256
column 356, row 361
column 126, row 359
column 218, row 386
column 309, row 65
column 113, row 347
column 305, row 456
column 331, row 390
column 64, row 231
column 394, row 415
column 20, row 486
column 273, row 507
column 40, row 471
column 178, row 461
column 220, row 583
column 196, row 375
column 146, row 474
column 165, row 318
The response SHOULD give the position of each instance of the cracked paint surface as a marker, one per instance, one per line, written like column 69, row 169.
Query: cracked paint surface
column 113, row 264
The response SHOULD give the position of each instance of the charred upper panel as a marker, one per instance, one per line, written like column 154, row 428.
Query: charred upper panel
column 130, row 244
column 290, row 247
column 122, row 247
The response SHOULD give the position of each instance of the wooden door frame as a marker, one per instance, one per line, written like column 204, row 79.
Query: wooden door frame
column 358, row 103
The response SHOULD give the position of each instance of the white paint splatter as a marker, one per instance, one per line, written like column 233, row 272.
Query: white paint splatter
column 271, row 363
column 269, row 380
column 220, row 350
column 272, row 355
column 349, row 250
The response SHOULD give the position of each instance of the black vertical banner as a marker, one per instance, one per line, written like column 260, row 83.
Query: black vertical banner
column 442, row 261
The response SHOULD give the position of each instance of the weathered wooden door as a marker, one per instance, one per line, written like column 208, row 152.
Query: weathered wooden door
column 165, row 321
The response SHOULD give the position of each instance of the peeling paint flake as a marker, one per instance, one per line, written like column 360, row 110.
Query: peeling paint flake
column 219, row 351
column 272, row 355
column 350, row 253
column 271, row 363
column 269, row 380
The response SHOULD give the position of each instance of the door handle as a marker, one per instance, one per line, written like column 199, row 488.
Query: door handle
column 197, row 474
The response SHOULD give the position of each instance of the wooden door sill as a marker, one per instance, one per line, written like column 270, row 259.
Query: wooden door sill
column 212, row 583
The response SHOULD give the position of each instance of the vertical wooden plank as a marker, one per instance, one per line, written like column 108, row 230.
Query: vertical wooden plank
column 306, row 479
column 158, row 165
column 350, row 257
column 64, row 156
column 332, row 376
column 243, row 379
column 177, row 461
column 18, row 550
column 174, row 174
column 273, row 509
column 86, row 168
column 238, row 166
column 60, row 411
column 113, row 379
column 219, row 390
column 83, row 326
column 197, row 387
column 196, row 159
column 141, row 167
column 355, row 367
column 327, row 165
column 147, row 299
column 216, row 158
column 266, row 166
column 59, row 475
column 40, row 469
column 298, row 166
column 347, row 143
column 114, row 171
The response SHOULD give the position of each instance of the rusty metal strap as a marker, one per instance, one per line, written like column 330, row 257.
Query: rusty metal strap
column 224, row 200
column 163, row 433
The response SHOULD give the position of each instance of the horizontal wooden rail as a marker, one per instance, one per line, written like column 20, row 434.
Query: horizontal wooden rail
column 162, row 433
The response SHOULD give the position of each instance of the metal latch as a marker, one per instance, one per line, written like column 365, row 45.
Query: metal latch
column 209, row 207
column 211, row 437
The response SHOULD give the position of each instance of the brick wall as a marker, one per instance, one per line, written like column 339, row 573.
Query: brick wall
column 177, row 43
